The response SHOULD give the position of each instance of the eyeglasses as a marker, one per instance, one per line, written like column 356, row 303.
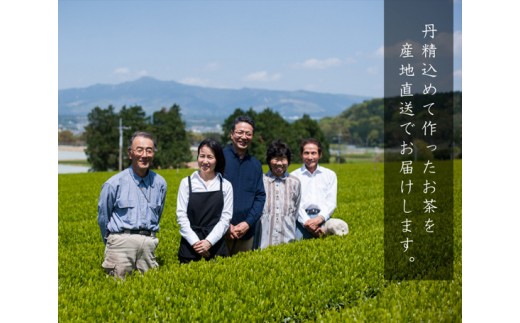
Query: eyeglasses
column 241, row 133
column 140, row 150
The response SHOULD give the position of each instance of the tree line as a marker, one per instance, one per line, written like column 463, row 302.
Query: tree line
column 360, row 125
column 174, row 141
column 363, row 124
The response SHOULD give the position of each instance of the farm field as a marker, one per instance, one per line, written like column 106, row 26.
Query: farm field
column 334, row 279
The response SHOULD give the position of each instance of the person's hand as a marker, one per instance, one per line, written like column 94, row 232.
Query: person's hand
column 240, row 229
column 202, row 248
column 231, row 233
column 314, row 225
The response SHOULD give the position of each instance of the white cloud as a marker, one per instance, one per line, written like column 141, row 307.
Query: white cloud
column 195, row 81
column 262, row 76
column 457, row 74
column 142, row 73
column 380, row 52
column 314, row 63
column 122, row 70
column 457, row 43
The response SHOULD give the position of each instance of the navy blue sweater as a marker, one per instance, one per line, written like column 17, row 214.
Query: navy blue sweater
column 248, row 188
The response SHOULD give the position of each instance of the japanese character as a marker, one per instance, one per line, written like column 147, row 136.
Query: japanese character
column 406, row 109
column 406, row 89
column 428, row 225
column 406, row 225
column 429, row 29
column 406, row 125
column 429, row 50
column 408, row 70
column 429, row 207
column 426, row 72
column 428, row 187
column 429, row 105
column 404, row 207
column 405, row 148
column 406, row 51
column 432, row 147
column 409, row 184
column 406, row 243
column 432, row 126
column 427, row 89
column 406, row 167
column 429, row 165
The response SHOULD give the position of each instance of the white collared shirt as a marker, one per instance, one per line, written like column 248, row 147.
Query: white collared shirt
column 198, row 185
column 319, row 191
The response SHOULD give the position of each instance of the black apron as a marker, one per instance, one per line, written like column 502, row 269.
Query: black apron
column 204, row 212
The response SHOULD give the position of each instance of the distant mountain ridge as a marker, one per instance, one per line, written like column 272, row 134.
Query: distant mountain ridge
column 200, row 103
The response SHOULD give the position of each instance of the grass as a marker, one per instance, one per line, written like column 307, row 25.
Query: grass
column 335, row 279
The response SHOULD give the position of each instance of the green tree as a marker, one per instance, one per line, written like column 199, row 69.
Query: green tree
column 270, row 125
column 133, row 119
column 66, row 137
column 228, row 122
column 173, row 142
column 102, row 139
column 102, row 135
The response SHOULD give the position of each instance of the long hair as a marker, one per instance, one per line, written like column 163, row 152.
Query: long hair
column 217, row 151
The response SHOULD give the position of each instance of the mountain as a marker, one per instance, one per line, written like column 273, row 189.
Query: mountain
column 200, row 103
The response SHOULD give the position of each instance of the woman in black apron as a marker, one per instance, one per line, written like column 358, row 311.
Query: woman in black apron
column 204, row 206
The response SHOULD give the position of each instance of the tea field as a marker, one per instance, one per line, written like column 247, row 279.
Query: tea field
column 334, row 279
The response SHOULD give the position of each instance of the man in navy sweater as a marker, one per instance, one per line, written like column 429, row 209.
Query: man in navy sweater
column 245, row 174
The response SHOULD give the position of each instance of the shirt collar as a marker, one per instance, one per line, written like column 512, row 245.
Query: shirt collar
column 196, row 175
column 246, row 156
column 273, row 178
column 304, row 170
column 147, row 179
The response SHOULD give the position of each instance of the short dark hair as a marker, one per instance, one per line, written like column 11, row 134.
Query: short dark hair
column 143, row 134
column 310, row 141
column 278, row 149
column 217, row 151
column 243, row 118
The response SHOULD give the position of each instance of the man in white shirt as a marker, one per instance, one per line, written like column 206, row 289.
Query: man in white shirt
column 319, row 187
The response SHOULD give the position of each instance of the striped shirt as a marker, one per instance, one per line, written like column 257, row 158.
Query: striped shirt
column 280, row 210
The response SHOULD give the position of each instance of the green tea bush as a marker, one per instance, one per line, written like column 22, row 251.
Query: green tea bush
column 334, row 279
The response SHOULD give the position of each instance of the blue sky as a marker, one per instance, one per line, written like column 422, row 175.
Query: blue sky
column 322, row 46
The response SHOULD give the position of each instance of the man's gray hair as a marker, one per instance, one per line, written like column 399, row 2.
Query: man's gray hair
column 143, row 134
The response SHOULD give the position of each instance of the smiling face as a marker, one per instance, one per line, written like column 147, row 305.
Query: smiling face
column 241, row 137
column 141, row 153
column 278, row 166
column 310, row 157
column 207, row 162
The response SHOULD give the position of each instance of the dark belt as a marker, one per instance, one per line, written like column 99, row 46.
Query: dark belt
column 312, row 211
column 141, row 232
